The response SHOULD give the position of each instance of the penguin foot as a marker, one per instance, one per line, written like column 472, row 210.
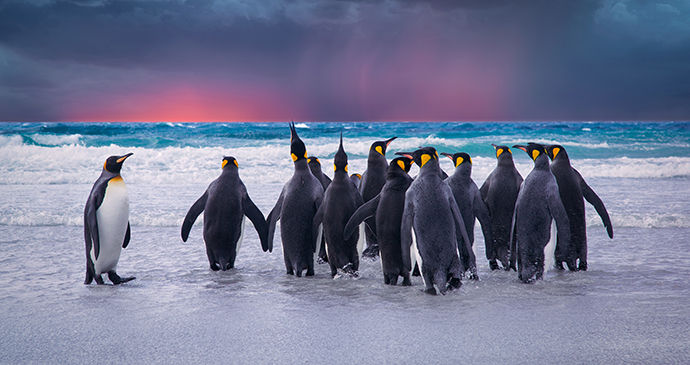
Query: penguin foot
column 582, row 266
column 493, row 265
column 406, row 281
column 117, row 280
column 454, row 283
column 431, row 290
column 371, row 251
column 321, row 261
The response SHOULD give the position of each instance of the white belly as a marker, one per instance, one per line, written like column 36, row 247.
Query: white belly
column 112, row 217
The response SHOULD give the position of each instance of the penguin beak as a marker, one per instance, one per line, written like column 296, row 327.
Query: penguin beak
column 405, row 154
column 123, row 158
column 388, row 141
column 524, row 148
column 447, row 155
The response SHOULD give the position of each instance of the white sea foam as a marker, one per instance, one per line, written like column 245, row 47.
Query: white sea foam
column 56, row 140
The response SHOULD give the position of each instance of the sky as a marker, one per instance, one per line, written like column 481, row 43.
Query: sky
column 340, row 60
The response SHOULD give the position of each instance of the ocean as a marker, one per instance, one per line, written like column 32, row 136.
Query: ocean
column 631, row 306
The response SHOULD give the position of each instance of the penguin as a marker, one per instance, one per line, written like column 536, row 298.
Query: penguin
column 340, row 201
column 225, row 204
column 106, row 223
column 573, row 190
column 431, row 211
column 315, row 167
column 537, row 202
column 356, row 178
column 469, row 200
column 296, row 206
column 387, row 208
column 499, row 192
column 373, row 179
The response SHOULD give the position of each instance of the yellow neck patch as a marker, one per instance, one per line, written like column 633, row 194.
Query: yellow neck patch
column 498, row 152
column 401, row 164
column 294, row 157
column 225, row 162
column 555, row 152
column 425, row 159
column 535, row 154
column 458, row 161
column 379, row 149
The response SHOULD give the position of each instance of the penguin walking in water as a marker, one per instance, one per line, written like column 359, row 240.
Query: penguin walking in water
column 106, row 223
column 315, row 167
column 340, row 201
column 469, row 200
column 387, row 209
column 431, row 211
column 373, row 179
column 537, row 202
column 296, row 206
column 499, row 192
column 573, row 191
column 225, row 204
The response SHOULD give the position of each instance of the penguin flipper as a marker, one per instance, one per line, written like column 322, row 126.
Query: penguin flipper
column 192, row 214
column 559, row 214
column 484, row 190
column 91, row 231
column 128, row 235
column 467, row 254
column 317, row 225
column 481, row 211
column 513, row 237
column 364, row 211
column 273, row 217
column 594, row 199
column 406, row 233
column 254, row 214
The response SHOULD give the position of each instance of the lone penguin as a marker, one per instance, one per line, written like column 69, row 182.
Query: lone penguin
column 106, row 223
column 387, row 209
column 372, row 181
column 296, row 206
column 340, row 201
column 537, row 203
column 431, row 211
column 573, row 191
column 499, row 192
column 225, row 203
column 469, row 200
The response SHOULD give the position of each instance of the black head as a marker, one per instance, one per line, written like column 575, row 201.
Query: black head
column 313, row 161
column 298, row 150
column 555, row 150
column 534, row 150
column 114, row 163
column 421, row 156
column 381, row 146
column 229, row 162
column 459, row 158
column 340, row 159
column 501, row 150
column 404, row 163
column 356, row 176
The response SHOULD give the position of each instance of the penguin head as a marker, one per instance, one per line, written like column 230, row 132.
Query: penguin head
column 313, row 161
column 356, row 176
column 340, row 159
column 421, row 156
column 501, row 150
column 298, row 151
column 381, row 146
column 404, row 163
column 114, row 163
column 459, row 158
column 229, row 162
column 534, row 150
column 555, row 150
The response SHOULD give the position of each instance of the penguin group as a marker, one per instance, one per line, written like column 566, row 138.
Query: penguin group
column 417, row 225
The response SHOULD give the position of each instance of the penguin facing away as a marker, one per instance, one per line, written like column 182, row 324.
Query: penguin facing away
column 499, row 192
column 315, row 167
column 537, row 202
column 572, row 189
column 373, row 179
column 356, row 178
column 431, row 211
column 106, row 223
column 468, row 199
column 340, row 201
column 225, row 204
column 387, row 208
column 296, row 206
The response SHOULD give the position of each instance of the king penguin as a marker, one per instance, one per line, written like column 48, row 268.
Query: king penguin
column 387, row 208
column 537, row 202
column 225, row 203
column 431, row 211
column 373, row 179
column 572, row 189
column 296, row 206
column 469, row 200
column 315, row 167
column 340, row 201
column 499, row 192
column 106, row 223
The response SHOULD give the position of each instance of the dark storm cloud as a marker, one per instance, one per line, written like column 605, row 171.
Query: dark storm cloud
column 609, row 59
